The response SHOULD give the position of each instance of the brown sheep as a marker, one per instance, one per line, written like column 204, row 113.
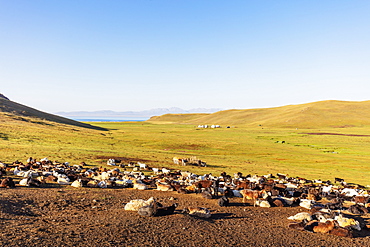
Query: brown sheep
column 324, row 227
column 341, row 232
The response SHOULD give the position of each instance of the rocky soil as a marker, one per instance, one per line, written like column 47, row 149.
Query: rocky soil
column 65, row 216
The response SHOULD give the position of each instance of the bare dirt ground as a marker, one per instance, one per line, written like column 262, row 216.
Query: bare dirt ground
column 65, row 216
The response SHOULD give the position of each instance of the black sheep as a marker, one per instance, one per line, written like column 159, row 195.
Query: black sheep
column 162, row 211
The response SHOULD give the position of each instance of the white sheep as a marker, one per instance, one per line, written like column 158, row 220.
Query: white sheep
column 166, row 171
column 142, row 165
column 306, row 203
column 77, row 183
column 135, row 204
column 138, row 185
column 301, row 216
column 263, row 203
column 23, row 182
column 63, row 179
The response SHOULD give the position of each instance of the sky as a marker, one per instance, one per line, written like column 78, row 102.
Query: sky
column 133, row 55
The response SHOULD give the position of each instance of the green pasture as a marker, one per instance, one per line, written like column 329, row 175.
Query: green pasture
column 257, row 150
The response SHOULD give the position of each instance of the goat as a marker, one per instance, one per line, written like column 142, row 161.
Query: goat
column 164, row 187
column 358, row 209
column 162, row 211
column 139, row 185
column 298, row 225
column 361, row 200
column 30, row 182
column 206, row 194
column 203, row 184
column 250, row 195
column 223, row 201
column 198, row 211
column 7, row 183
column 92, row 184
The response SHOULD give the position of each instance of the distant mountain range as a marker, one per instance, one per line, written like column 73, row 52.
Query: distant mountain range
column 134, row 114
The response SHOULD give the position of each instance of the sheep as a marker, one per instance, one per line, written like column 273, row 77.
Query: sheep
column 197, row 211
column 102, row 184
column 148, row 210
column 165, row 170
column 29, row 182
column 298, row 225
column 77, row 183
column 345, row 222
column 263, row 203
column 276, row 202
column 341, row 232
column 306, row 203
column 142, row 166
column 162, row 211
column 301, row 216
column 324, row 227
column 134, row 205
column 155, row 170
column 138, row 185
column 92, row 184
column 321, row 216
column 63, row 180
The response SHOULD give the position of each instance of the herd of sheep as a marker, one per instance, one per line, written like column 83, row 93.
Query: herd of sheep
column 265, row 191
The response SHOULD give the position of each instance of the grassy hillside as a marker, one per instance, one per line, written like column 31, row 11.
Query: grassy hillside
column 311, row 115
column 321, row 152
column 21, row 112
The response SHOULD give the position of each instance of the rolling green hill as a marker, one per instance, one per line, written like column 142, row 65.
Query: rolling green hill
column 15, row 111
column 320, row 114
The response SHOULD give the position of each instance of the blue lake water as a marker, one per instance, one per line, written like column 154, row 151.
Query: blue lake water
column 107, row 120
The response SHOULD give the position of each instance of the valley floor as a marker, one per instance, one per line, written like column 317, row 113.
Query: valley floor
column 64, row 216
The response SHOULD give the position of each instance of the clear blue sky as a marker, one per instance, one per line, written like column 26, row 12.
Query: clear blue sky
column 143, row 54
